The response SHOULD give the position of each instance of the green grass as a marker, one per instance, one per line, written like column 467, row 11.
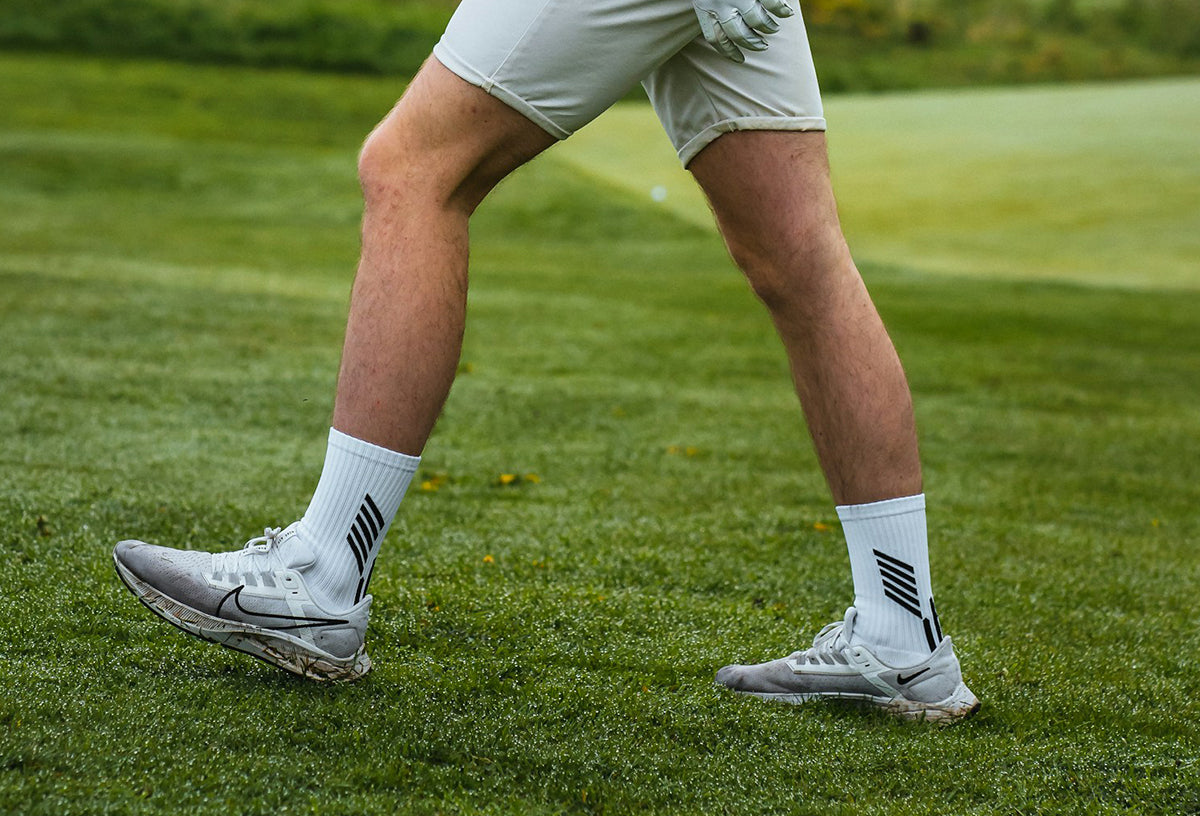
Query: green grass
column 1088, row 183
column 174, row 261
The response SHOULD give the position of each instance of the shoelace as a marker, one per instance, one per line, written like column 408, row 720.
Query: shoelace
column 830, row 642
column 264, row 542
column 261, row 545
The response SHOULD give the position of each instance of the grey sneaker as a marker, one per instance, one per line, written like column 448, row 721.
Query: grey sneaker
column 834, row 668
column 253, row 600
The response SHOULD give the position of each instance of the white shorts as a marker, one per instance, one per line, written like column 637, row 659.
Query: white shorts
column 564, row 62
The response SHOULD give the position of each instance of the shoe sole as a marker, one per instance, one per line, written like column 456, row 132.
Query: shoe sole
column 283, row 651
column 955, row 708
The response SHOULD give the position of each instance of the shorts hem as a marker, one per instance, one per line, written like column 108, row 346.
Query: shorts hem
column 705, row 137
column 466, row 72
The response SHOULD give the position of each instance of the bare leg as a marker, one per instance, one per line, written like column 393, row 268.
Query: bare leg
column 424, row 170
column 774, row 203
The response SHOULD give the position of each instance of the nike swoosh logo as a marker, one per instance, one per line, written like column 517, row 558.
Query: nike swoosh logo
column 904, row 681
column 296, row 622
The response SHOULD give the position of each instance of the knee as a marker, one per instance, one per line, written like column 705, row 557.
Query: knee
column 412, row 158
column 788, row 269
column 388, row 164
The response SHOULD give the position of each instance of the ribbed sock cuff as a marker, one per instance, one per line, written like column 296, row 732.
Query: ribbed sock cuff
column 881, row 509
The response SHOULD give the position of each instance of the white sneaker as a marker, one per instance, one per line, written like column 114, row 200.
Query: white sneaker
column 834, row 668
column 253, row 600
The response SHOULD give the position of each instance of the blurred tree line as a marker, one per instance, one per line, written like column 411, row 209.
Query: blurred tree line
column 880, row 44
column 859, row 44
column 1172, row 26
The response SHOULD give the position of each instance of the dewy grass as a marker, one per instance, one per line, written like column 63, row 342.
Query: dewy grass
column 171, row 313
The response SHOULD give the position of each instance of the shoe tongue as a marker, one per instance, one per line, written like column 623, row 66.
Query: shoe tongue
column 293, row 551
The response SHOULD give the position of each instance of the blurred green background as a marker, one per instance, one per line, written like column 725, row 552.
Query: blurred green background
column 860, row 44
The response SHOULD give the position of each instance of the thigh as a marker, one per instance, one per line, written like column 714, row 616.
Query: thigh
column 563, row 62
column 699, row 94
column 772, row 195
column 449, row 134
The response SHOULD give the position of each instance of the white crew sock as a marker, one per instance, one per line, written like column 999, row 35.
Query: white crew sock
column 889, row 559
column 356, row 499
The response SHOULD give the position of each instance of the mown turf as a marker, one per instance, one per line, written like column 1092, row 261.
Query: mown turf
column 1087, row 183
column 174, row 262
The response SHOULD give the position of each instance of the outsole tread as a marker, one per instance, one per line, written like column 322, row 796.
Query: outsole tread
column 276, row 649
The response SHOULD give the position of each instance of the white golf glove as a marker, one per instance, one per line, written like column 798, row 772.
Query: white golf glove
column 728, row 24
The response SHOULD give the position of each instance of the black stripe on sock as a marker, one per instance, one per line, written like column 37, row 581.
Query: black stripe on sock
column 903, row 591
column 368, row 523
column 367, row 580
column 356, row 530
column 349, row 540
column 354, row 549
column 914, row 610
column 903, row 579
column 363, row 549
column 929, row 634
column 937, row 623
column 895, row 561
column 360, row 529
column 370, row 503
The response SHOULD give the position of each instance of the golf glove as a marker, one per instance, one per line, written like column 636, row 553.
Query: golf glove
column 730, row 25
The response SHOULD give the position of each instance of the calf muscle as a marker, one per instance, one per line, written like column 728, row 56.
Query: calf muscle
column 774, row 204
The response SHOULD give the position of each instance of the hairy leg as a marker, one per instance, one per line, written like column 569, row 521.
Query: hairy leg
column 424, row 170
column 774, row 203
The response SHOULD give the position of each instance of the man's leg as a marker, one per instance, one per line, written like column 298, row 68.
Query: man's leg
column 424, row 170
column 775, row 207
column 297, row 597
column 774, row 203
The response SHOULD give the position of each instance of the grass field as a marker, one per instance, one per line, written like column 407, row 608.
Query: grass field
column 175, row 255
column 1088, row 183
